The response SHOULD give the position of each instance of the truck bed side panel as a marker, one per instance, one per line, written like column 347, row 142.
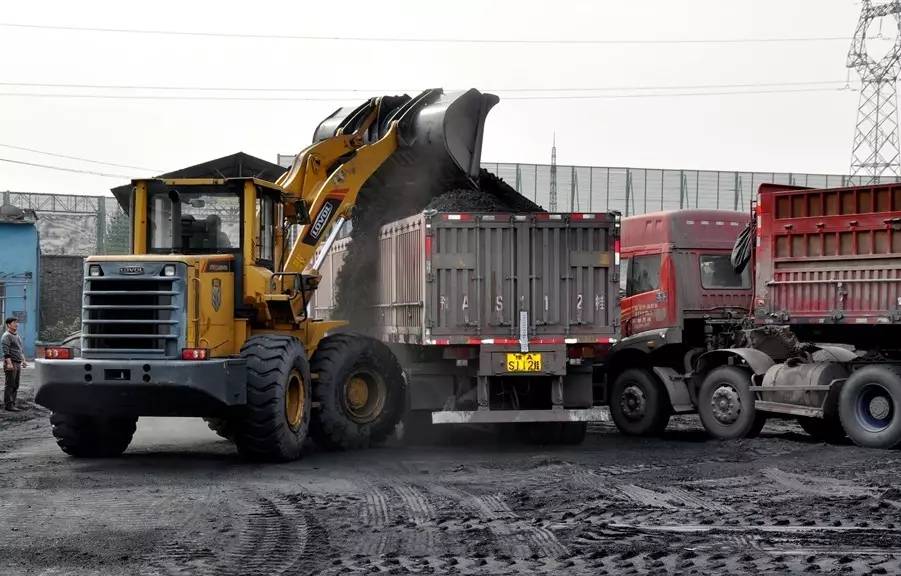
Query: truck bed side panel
column 829, row 256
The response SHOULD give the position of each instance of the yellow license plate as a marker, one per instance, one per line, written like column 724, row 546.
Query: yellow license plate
column 524, row 363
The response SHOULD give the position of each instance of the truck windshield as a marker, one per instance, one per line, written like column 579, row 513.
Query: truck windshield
column 643, row 274
column 194, row 221
column 717, row 272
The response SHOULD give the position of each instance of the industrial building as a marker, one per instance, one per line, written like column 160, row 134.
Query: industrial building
column 20, row 271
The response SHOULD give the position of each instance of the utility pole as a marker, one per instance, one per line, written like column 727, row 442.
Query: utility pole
column 553, row 191
column 875, row 151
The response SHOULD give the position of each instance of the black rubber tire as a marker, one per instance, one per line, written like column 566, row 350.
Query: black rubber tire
column 857, row 420
column 92, row 436
column 573, row 433
column 657, row 407
column 823, row 429
column 747, row 420
column 337, row 359
column 540, row 433
column 223, row 427
column 262, row 430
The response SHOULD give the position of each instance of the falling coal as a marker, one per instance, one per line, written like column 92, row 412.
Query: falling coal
column 356, row 282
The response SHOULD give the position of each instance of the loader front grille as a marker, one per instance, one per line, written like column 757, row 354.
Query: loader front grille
column 135, row 316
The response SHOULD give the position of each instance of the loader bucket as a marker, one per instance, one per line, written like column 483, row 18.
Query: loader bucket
column 439, row 139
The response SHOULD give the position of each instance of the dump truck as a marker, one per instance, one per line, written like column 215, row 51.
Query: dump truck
column 825, row 342
column 207, row 315
column 680, row 298
column 497, row 318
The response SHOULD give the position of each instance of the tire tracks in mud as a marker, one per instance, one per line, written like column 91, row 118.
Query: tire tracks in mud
column 277, row 536
column 525, row 538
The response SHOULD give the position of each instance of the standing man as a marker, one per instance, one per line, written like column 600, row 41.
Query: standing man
column 13, row 362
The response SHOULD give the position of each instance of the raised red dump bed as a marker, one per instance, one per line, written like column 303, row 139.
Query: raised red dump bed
column 830, row 258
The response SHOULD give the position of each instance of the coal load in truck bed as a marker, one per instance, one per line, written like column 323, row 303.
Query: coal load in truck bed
column 356, row 282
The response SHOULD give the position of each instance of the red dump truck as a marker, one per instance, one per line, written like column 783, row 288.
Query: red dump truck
column 825, row 346
column 496, row 318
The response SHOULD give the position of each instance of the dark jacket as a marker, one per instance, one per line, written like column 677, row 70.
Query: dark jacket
column 12, row 348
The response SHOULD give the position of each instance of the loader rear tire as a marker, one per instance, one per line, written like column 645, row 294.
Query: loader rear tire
column 360, row 391
column 92, row 436
column 275, row 421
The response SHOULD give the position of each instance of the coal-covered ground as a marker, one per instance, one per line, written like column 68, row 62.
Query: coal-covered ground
column 181, row 502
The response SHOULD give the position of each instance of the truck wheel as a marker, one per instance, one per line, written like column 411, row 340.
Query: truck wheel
column 823, row 429
column 92, row 436
column 222, row 427
column 573, row 432
column 638, row 404
column 541, row 432
column 726, row 404
column 869, row 406
column 360, row 390
column 275, row 421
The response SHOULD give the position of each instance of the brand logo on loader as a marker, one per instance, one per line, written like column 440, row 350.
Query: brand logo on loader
column 131, row 270
column 326, row 213
column 216, row 299
column 321, row 220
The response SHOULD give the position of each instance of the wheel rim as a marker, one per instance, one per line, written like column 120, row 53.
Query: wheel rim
column 725, row 404
column 633, row 402
column 364, row 396
column 294, row 400
column 875, row 409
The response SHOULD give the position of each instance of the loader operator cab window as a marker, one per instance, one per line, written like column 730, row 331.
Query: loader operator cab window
column 194, row 222
column 264, row 233
column 717, row 273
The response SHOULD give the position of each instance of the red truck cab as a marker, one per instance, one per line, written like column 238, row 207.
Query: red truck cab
column 680, row 297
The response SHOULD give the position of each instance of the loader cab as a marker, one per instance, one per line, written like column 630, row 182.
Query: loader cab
column 676, row 270
column 236, row 216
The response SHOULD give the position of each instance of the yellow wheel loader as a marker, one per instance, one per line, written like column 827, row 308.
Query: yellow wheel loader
column 208, row 315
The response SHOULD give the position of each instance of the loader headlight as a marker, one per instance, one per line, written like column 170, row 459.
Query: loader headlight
column 169, row 270
column 95, row 270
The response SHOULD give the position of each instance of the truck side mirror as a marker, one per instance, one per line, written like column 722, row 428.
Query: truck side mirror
column 301, row 213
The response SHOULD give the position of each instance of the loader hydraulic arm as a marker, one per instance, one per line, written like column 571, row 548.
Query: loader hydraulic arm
column 327, row 177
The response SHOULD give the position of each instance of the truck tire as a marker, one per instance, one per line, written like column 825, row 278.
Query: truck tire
column 869, row 406
column 726, row 404
column 274, row 423
column 92, row 436
column 573, row 433
column 360, row 391
column 223, row 427
column 639, row 404
column 827, row 430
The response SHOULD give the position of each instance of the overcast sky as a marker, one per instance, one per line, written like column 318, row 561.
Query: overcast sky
column 800, row 131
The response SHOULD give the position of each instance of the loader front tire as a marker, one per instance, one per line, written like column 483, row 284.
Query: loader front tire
column 275, row 421
column 359, row 389
column 92, row 436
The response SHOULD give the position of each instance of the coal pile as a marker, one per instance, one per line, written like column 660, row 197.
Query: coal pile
column 356, row 282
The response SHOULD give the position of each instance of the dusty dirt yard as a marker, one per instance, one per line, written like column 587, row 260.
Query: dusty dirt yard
column 180, row 502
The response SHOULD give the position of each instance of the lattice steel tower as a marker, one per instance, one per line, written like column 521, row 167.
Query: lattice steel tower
column 875, row 151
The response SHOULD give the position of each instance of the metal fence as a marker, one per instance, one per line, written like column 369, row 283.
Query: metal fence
column 82, row 225
column 639, row 190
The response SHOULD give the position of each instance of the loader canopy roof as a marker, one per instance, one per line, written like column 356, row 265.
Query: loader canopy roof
column 239, row 165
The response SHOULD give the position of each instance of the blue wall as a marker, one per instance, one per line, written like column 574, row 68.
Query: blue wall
column 19, row 275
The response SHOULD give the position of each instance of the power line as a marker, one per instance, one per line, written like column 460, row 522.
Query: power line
column 439, row 40
column 49, row 167
column 335, row 100
column 390, row 90
column 78, row 158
